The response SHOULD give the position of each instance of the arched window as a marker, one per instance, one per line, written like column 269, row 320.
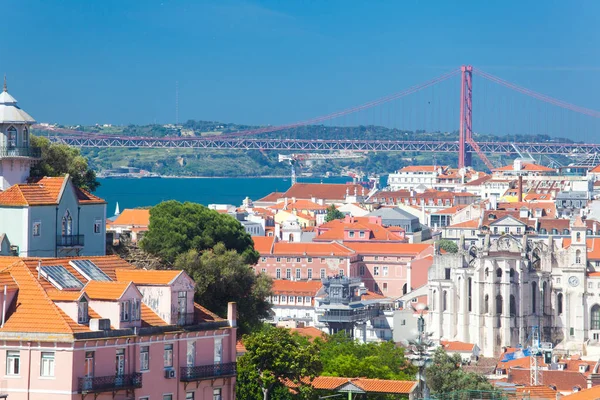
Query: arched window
column 67, row 224
column 534, row 293
column 445, row 301
column 513, row 306
column 11, row 134
column 25, row 137
column 499, row 304
column 559, row 303
column 499, row 273
column 404, row 288
column 486, row 304
column 544, row 294
column 578, row 257
column 578, row 236
column 595, row 317
column 487, row 272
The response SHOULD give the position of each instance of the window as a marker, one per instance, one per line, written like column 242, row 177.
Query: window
column 361, row 270
column 375, row 271
column 376, row 288
column 263, row 259
column 125, row 311
column 12, row 137
column 218, row 350
column 288, row 260
column 144, row 358
column 309, row 259
column 322, row 260
column 167, row 397
column 376, row 258
column 278, row 273
column 278, row 259
column 283, row 299
column 495, row 230
column 298, row 259
column 322, row 273
column 67, row 224
column 288, row 273
column 385, row 286
column 136, row 311
column 217, row 394
column 47, row 364
column 12, row 362
column 351, row 234
column 189, row 396
column 37, row 228
column 444, row 300
column 299, row 300
column 506, row 229
column 595, row 317
column 25, row 137
column 82, row 311
column 98, row 226
column 385, row 271
column 298, row 273
column 168, row 356
column 559, row 303
column 361, row 234
column 307, row 300
column 309, row 273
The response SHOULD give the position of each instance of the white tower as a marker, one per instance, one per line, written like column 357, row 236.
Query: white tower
column 16, row 154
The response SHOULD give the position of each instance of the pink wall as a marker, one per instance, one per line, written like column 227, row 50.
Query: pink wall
column 331, row 265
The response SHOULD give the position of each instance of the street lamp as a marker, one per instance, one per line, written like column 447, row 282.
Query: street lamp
column 419, row 349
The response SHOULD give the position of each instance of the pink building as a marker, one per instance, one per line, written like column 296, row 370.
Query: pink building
column 359, row 229
column 97, row 328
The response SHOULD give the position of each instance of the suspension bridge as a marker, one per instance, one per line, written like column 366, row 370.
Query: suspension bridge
column 492, row 107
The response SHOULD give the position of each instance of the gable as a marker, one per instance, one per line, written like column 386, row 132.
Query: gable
column 507, row 221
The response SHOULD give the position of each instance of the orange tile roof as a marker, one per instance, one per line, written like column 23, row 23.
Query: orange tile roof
column 44, row 192
column 263, row 244
column 150, row 318
column 101, row 290
column 592, row 245
column 457, row 346
column 536, row 392
column 201, row 314
column 311, row 249
column 299, row 204
column 451, row 210
column 147, row 277
column 335, row 230
column 470, row 224
column 63, row 295
column 326, row 191
column 309, row 331
column 302, row 288
column 399, row 249
column 527, row 167
column 596, row 169
column 239, row 347
column 8, row 281
column 271, row 197
column 592, row 393
column 421, row 168
column 133, row 217
column 368, row 385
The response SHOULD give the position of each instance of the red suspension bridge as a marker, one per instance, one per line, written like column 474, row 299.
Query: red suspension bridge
column 502, row 108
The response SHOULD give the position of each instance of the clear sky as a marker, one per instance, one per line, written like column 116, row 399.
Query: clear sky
column 274, row 62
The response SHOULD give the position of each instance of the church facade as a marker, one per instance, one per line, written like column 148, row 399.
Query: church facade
column 494, row 294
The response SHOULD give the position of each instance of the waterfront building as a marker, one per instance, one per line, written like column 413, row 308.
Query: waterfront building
column 16, row 153
column 494, row 293
column 52, row 218
column 421, row 177
column 132, row 221
column 96, row 327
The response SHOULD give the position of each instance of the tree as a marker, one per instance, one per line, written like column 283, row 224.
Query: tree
column 273, row 356
column 448, row 245
column 333, row 213
column 178, row 227
column 60, row 159
column 222, row 276
column 445, row 375
column 345, row 357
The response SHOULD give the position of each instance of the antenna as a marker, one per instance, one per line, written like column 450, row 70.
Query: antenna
column 176, row 102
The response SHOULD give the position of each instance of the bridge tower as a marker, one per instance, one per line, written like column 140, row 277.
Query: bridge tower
column 466, row 116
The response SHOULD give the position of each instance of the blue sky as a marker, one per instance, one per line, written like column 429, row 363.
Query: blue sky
column 274, row 62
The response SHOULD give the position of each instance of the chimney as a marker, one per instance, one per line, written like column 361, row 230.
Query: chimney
column 520, row 189
column 408, row 277
column 232, row 314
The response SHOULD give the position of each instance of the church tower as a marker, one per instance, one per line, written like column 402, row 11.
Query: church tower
column 16, row 153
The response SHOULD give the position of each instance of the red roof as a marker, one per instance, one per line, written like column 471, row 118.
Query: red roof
column 309, row 331
column 45, row 192
column 263, row 244
column 326, row 191
column 133, row 217
column 298, row 204
column 397, row 249
column 311, row 249
column 298, row 288
column 470, row 224
column 457, row 346
column 527, row 167
column 368, row 385
column 271, row 197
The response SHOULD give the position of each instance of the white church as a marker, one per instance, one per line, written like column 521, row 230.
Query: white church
column 493, row 294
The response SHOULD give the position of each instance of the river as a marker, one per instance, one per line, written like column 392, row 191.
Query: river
column 135, row 192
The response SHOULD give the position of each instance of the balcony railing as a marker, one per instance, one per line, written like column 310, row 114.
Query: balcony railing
column 69, row 240
column 202, row 372
column 110, row 383
column 349, row 315
column 34, row 152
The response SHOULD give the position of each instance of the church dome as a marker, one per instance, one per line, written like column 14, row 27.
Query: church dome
column 10, row 113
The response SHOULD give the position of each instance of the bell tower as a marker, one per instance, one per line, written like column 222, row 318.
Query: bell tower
column 16, row 153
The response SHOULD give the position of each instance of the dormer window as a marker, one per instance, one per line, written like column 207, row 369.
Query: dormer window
column 82, row 311
column 136, row 312
column 125, row 311
column 361, row 234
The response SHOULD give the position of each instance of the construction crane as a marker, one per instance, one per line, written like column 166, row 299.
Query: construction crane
column 535, row 350
column 295, row 159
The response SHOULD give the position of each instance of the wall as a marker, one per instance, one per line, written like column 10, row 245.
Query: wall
column 158, row 298
column 43, row 245
column 13, row 171
column 14, row 222
column 331, row 265
column 95, row 243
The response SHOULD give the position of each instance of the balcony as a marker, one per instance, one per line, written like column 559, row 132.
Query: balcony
column 203, row 372
column 10, row 152
column 346, row 316
column 69, row 240
column 110, row 383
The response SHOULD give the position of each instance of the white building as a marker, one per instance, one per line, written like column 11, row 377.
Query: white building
column 421, row 177
column 16, row 154
column 52, row 218
column 492, row 295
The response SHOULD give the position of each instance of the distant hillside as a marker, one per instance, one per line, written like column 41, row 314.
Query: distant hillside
column 189, row 162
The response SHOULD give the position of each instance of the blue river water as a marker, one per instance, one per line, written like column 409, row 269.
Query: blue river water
column 135, row 192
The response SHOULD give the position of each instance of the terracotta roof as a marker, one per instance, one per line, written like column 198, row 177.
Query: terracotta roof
column 239, row 347
column 271, row 197
column 596, row 169
column 311, row 249
column 326, row 191
column 147, row 277
column 527, row 167
column 470, row 224
column 399, row 249
column 451, row 210
column 368, row 385
column 592, row 245
column 421, row 168
column 310, row 331
column 263, row 244
column 536, row 392
column 44, row 192
column 8, row 281
column 63, row 295
column 298, row 204
column 150, row 318
column 335, row 230
column 457, row 346
column 592, row 393
column 301, row 288
column 133, row 217
column 101, row 290
column 478, row 181
column 201, row 314
column 563, row 380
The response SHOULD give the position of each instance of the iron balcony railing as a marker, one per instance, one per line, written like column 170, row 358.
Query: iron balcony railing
column 110, row 383
column 69, row 240
column 7, row 151
column 202, row 372
column 349, row 315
